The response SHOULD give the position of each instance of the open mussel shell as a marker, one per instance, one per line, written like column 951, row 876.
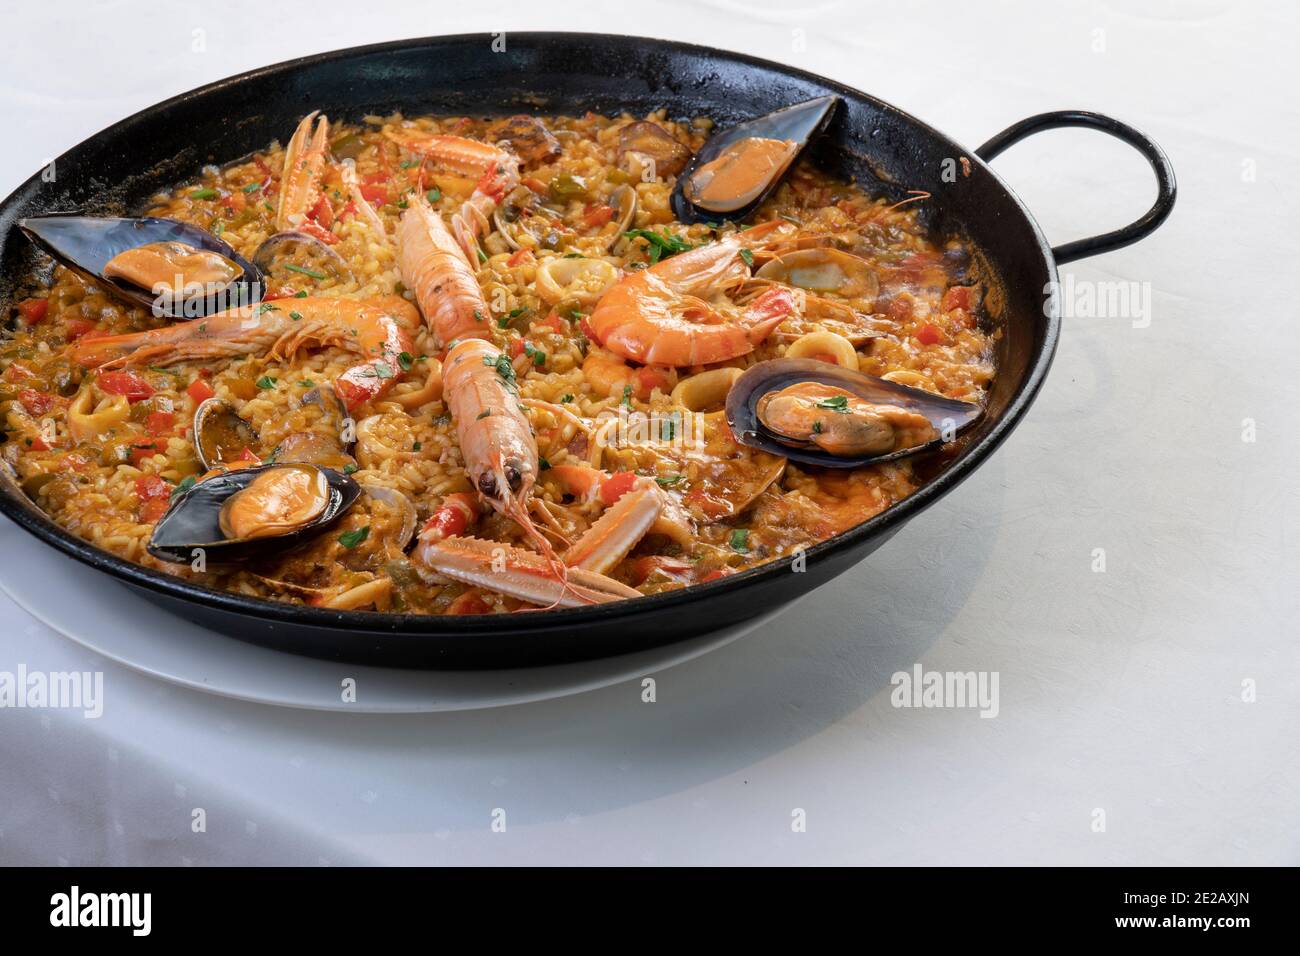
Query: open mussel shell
column 193, row 520
column 947, row 415
column 88, row 243
column 798, row 124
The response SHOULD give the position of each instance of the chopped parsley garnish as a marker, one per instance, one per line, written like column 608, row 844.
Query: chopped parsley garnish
column 482, row 256
column 566, row 398
column 410, row 163
column 534, row 353
column 267, row 307
column 817, row 428
column 383, row 370
column 266, row 382
column 350, row 539
column 416, row 446
column 300, row 295
column 662, row 245
column 504, row 368
column 836, row 403
column 296, row 316
column 204, row 193
column 740, row 541
column 747, row 257
column 667, row 481
column 185, row 484
column 303, row 270
column 627, row 396
column 349, row 469
column 406, row 360
column 434, row 194
column 252, row 187
column 307, row 383
column 542, row 462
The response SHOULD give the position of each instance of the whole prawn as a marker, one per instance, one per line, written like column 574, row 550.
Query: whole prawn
column 378, row 329
column 673, row 313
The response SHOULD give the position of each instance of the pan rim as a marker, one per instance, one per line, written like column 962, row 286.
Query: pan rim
column 28, row 516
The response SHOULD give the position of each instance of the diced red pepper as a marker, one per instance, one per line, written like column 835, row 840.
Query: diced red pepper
column 350, row 209
column 711, row 506
column 553, row 322
column 36, row 403
column 34, row 310
column 142, row 452
column 374, row 192
column 151, row 487
column 958, row 297
column 616, row 486
column 927, row 334
column 469, row 603
column 648, row 378
column 75, row 327
column 130, row 384
column 520, row 257
column 323, row 213
column 535, row 184
column 158, row 424
column 37, row 443
column 200, row 391
column 717, row 573
column 151, row 511
column 586, row 328
column 596, row 216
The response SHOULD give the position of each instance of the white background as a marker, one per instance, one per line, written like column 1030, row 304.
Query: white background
column 1120, row 691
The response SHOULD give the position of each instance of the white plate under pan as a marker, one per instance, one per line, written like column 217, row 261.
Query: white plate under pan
column 112, row 620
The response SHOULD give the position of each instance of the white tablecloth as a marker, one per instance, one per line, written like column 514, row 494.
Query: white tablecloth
column 1120, row 692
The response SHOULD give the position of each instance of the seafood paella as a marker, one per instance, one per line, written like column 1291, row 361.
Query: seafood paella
column 455, row 365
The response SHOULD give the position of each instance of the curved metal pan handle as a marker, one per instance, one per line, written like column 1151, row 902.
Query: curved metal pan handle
column 1131, row 233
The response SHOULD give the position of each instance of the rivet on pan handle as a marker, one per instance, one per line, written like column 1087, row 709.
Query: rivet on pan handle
column 1131, row 233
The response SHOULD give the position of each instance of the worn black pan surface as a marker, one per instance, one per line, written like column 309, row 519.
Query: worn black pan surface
column 882, row 147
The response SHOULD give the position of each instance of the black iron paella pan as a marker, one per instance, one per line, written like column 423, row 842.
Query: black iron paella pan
column 885, row 149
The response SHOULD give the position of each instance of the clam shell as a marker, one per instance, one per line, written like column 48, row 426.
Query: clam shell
column 945, row 414
column 87, row 243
